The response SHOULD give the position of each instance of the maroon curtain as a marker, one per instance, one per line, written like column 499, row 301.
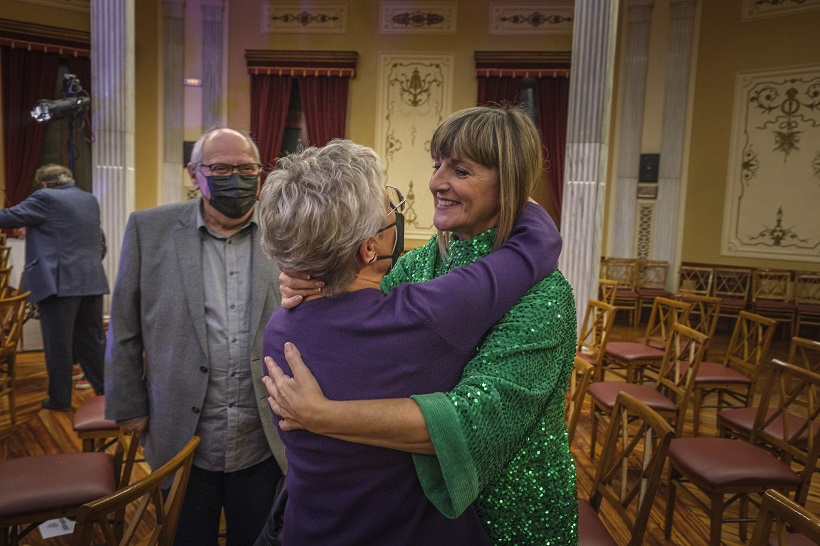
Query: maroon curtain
column 324, row 104
column 270, row 96
column 81, row 67
column 552, row 101
column 499, row 89
column 28, row 76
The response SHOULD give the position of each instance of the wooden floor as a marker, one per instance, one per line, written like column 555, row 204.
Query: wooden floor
column 39, row 431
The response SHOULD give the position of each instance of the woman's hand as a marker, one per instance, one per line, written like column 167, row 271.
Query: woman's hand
column 294, row 399
column 296, row 287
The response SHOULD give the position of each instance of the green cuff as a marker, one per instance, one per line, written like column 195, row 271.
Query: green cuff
column 449, row 478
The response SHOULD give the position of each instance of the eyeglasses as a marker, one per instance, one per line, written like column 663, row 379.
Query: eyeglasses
column 397, row 200
column 225, row 169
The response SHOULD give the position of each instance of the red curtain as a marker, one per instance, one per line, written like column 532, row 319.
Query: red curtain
column 270, row 96
column 552, row 101
column 324, row 104
column 81, row 67
column 499, row 89
column 28, row 76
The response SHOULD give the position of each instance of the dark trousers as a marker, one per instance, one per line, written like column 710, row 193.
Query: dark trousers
column 246, row 495
column 72, row 327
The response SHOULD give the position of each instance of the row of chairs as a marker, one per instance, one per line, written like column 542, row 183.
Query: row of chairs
column 682, row 375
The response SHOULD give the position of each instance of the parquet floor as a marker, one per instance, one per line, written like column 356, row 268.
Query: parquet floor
column 39, row 431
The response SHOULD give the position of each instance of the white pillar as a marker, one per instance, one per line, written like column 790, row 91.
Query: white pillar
column 173, row 72
column 212, row 11
column 112, row 92
column 590, row 105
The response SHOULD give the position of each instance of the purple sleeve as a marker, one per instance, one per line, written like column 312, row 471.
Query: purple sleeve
column 463, row 304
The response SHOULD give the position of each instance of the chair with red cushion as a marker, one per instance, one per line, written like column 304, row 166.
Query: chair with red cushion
column 744, row 470
column 630, row 357
column 807, row 300
column 670, row 396
column 607, row 288
column 578, row 383
column 90, row 424
column 594, row 335
column 624, row 270
column 783, row 522
column 695, row 280
column 734, row 379
column 733, row 286
column 629, row 472
column 651, row 283
column 772, row 296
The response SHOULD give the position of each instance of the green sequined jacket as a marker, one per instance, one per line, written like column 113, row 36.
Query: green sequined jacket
column 500, row 435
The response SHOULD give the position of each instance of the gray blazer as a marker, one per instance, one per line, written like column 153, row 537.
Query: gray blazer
column 158, row 312
column 63, row 236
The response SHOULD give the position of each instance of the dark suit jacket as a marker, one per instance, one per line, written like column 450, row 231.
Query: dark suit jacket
column 156, row 339
column 63, row 240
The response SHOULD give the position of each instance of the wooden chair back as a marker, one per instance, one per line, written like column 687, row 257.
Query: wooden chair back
column 732, row 283
column 806, row 353
column 652, row 274
column 749, row 346
column 623, row 270
column 679, row 367
column 595, row 329
column 780, row 516
column 807, row 288
column 578, row 383
column 5, row 252
column 665, row 313
column 607, row 289
column 5, row 277
column 791, row 391
column 12, row 311
column 705, row 313
column 631, row 463
column 108, row 512
column 772, row 285
column 694, row 280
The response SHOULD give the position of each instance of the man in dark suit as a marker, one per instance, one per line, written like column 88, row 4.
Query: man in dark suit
column 193, row 294
column 65, row 275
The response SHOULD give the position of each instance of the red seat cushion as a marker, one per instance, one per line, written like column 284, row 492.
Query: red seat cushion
column 743, row 420
column 654, row 293
column 606, row 392
column 794, row 539
column 652, row 343
column 586, row 356
column 808, row 308
column 630, row 351
column 726, row 462
column 591, row 531
column 733, row 303
column 714, row 372
column 774, row 305
column 41, row 483
column 91, row 416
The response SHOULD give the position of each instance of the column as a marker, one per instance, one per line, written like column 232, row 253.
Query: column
column 173, row 72
column 590, row 105
column 629, row 141
column 112, row 92
column 212, row 64
column 670, row 192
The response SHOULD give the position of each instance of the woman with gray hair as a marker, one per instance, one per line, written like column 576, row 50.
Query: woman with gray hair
column 325, row 212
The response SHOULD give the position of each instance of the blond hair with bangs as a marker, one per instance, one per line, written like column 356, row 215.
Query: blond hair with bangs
column 498, row 137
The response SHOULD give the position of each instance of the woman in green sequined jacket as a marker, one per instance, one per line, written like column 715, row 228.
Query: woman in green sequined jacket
column 498, row 439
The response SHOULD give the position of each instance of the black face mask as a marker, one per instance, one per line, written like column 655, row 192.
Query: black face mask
column 233, row 195
column 398, row 248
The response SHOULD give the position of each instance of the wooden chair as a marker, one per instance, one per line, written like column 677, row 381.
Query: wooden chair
column 592, row 339
column 90, row 424
column 108, row 512
column 5, row 252
column 578, row 383
column 633, row 356
column 807, row 300
column 11, row 328
column 777, row 515
column 735, row 378
column 37, row 488
column 772, row 296
column 651, row 283
column 670, row 396
column 607, row 289
column 718, row 467
column 738, row 422
column 629, row 472
column 5, row 276
column 733, row 286
column 695, row 280
column 626, row 296
column 704, row 314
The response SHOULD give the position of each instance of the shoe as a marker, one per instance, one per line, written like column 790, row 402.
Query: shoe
column 46, row 403
column 82, row 384
column 77, row 372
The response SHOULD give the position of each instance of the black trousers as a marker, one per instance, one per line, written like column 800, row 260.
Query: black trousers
column 72, row 327
column 247, row 496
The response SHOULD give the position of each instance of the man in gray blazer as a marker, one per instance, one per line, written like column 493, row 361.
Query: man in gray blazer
column 193, row 294
column 65, row 275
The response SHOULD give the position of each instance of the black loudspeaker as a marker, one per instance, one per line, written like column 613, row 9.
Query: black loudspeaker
column 648, row 168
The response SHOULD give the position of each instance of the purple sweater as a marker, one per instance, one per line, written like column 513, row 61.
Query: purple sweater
column 366, row 345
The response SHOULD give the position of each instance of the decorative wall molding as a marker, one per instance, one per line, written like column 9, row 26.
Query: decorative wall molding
column 526, row 64
column 74, row 5
column 304, row 17
column 417, row 18
column 756, row 9
column 301, row 63
column 415, row 94
column 75, row 43
column 774, row 166
column 531, row 18
column 644, row 234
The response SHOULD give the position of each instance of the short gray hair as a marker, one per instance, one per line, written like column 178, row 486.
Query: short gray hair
column 318, row 206
column 196, row 153
column 53, row 175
